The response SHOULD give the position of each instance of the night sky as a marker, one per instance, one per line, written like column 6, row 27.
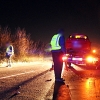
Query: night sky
column 43, row 18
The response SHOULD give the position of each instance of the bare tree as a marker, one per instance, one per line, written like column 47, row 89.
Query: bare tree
column 22, row 42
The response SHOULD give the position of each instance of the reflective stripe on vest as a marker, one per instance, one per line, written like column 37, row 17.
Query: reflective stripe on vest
column 55, row 42
column 8, row 51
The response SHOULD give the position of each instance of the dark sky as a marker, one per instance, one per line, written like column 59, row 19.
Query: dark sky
column 43, row 18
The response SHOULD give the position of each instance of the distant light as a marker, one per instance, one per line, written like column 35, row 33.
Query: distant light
column 94, row 51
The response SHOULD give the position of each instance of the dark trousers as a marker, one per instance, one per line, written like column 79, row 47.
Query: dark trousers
column 8, row 59
column 58, row 63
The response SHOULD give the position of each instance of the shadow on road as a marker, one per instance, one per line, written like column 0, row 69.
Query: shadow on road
column 56, row 89
column 61, row 91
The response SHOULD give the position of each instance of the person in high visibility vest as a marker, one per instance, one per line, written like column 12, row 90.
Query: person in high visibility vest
column 58, row 50
column 9, row 53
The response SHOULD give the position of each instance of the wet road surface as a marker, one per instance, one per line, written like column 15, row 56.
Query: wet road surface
column 84, row 82
column 34, row 81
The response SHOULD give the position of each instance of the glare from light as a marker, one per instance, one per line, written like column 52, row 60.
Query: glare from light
column 90, row 59
column 89, row 82
column 94, row 51
column 64, row 58
column 80, row 59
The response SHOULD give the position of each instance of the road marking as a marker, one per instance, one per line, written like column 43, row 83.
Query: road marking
column 20, row 73
column 20, row 63
column 76, row 67
column 16, row 75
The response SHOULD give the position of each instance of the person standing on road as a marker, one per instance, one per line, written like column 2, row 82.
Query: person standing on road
column 58, row 50
column 9, row 53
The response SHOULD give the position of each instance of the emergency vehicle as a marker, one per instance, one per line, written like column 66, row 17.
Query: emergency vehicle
column 79, row 50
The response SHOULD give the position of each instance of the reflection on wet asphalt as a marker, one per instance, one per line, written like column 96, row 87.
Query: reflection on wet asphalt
column 84, row 82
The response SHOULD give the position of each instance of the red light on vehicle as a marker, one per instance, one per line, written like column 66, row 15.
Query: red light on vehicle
column 64, row 58
column 90, row 59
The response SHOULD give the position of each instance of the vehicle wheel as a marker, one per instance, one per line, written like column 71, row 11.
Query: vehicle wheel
column 69, row 64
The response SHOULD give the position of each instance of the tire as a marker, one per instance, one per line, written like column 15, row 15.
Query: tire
column 69, row 64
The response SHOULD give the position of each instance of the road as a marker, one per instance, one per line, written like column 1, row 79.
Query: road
column 34, row 81
column 84, row 82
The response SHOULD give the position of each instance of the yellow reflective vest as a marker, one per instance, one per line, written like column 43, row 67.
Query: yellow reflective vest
column 10, row 50
column 55, row 42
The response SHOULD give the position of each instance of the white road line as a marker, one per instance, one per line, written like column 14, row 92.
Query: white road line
column 16, row 75
column 76, row 67
column 20, row 73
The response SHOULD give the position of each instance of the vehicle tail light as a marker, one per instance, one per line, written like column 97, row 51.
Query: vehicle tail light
column 91, row 59
column 64, row 58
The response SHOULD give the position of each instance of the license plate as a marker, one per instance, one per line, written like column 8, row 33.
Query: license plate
column 80, row 59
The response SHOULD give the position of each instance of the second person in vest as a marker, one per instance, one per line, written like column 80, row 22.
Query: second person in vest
column 9, row 53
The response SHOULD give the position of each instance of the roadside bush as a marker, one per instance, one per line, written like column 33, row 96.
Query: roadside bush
column 22, row 43
column 5, row 35
column 25, row 49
